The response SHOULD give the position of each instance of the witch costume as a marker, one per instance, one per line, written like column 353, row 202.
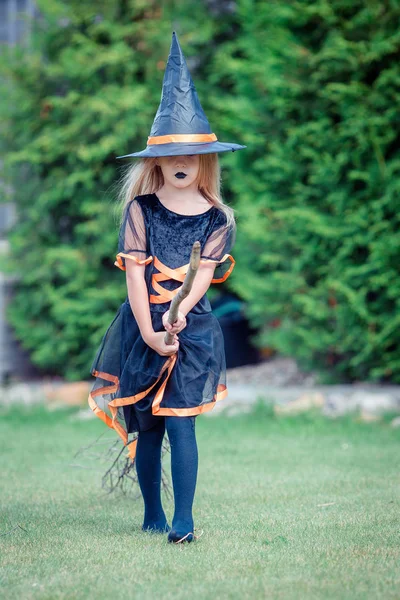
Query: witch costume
column 135, row 385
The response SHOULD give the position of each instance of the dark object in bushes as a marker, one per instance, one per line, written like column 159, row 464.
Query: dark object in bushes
column 238, row 350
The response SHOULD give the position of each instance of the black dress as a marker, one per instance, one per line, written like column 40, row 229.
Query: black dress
column 134, row 385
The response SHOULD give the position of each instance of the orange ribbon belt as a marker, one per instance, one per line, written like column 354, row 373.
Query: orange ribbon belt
column 178, row 274
column 165, row 274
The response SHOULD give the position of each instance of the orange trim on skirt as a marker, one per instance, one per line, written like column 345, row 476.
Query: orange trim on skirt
column 113, row 405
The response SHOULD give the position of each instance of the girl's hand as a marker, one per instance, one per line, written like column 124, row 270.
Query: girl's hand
column 156, row 341
column 179, row 324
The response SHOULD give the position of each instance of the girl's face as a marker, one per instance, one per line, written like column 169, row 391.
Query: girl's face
column 179, row 171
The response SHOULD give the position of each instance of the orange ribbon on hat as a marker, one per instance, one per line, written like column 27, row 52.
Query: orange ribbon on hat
column 181, row 138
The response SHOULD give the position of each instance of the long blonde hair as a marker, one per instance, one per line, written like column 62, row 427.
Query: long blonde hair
column 145, row 177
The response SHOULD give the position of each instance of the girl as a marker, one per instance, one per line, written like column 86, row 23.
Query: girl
column 170, row 199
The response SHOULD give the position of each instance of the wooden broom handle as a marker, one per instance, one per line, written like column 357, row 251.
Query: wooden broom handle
column 185, row 289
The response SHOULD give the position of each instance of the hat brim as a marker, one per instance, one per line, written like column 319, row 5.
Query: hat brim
column 179, row 149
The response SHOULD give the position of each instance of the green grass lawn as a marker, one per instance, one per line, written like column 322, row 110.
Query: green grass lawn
column 301, row 507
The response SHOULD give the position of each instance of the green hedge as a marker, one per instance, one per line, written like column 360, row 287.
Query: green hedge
column 315, row 90
column 311, row 88
column 85, row 91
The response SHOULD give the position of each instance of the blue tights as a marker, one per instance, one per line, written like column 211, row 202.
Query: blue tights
column 148, row 468
column 184, row 466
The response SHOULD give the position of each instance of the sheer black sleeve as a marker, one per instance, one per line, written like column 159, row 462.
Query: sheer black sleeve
column 217, row 248
column 132, row 241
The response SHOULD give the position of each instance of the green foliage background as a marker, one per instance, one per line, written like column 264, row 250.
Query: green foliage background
column 320, row 195
column 311, row 88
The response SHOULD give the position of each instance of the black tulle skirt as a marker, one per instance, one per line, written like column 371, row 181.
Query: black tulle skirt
column 135, row 386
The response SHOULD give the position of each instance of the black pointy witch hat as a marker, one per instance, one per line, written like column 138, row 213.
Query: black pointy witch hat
column 180, row 125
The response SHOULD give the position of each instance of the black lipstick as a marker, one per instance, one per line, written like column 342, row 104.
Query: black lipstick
column 180, row 175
